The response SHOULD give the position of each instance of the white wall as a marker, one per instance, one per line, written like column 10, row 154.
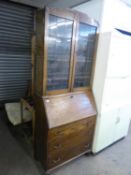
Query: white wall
column 116, row 14
column 109, row 13
column 93, row 8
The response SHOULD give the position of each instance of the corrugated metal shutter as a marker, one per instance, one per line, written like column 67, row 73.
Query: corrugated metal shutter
column 16, row 27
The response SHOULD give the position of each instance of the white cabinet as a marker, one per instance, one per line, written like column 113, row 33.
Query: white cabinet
column 122, row 122
column 112, row 88
column 104, row 131
column 111, row 126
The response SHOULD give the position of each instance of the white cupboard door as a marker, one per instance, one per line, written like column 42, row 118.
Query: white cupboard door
column 114, row 93
column 122, row 122
column 119, row 64
column 105, row 129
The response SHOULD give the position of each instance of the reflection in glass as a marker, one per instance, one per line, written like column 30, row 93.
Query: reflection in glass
column 59, row 48
column 85, row 49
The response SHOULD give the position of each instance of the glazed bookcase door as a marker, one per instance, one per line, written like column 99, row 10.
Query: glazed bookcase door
column 86, row 34
column 59, row 43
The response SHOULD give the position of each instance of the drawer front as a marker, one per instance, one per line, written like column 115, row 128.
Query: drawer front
column 70, row 130
column 60, row 156
column 68, row 141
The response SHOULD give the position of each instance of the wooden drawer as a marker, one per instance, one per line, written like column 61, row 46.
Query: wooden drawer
column 68, row 141
column 60, row 156
column 71, row 129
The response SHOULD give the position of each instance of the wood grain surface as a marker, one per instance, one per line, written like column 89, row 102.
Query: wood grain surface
column 68, row 108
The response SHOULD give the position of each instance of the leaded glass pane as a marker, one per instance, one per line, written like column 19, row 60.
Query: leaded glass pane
column 59, row 50
column 84, row 59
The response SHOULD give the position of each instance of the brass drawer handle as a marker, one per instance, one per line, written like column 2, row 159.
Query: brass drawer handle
column 57, row 146
column 58, row 133
column 57, row 160
column 86, row 145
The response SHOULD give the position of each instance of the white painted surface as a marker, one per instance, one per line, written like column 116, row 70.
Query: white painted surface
column 111, row 126
column 101, row 69
column 112, row 77
column 112, row 89
column 116, row 92
column 120, row 56
column 109, row 13
column 92, row 8
column 122, row 122
column 105, row 130
column 123, row 15
column 115, row 15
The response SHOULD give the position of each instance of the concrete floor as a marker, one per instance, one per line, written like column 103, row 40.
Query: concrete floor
column 16, row 160
column 115, row 160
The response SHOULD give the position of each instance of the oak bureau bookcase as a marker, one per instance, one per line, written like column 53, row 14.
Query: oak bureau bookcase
column 64, row 103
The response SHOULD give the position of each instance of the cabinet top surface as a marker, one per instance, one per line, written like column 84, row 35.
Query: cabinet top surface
column 67, row 108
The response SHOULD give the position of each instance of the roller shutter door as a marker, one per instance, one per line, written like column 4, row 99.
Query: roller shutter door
column 16, row 28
